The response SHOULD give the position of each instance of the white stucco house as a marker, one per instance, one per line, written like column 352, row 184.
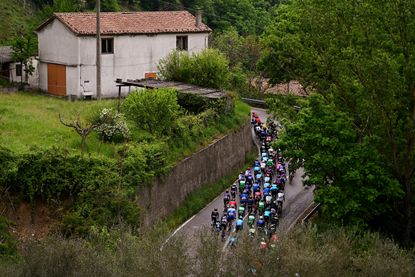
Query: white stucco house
column 132, row 43
column 15, row 72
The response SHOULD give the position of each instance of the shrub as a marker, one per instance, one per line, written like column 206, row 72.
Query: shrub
column 7, row 242
column 209, row 68
column 176, row 66
column 153, row 110
column 112, row 126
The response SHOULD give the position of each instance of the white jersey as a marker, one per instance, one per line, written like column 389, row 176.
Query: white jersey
column 280, row 197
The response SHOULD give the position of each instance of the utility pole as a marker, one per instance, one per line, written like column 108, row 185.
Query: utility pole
column 98, row 7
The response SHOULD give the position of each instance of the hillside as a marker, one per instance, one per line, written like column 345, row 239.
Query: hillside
column 14, row 17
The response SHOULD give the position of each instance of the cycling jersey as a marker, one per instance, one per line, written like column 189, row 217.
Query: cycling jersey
column 267, row 213
column 261, row 205
column 239, row 222
column 268, row 199
column 256, row 187
column 260, row 223
column 267, row 190
column 251, row 219
column 274, row 187
column 232, row 203
column 280, row 197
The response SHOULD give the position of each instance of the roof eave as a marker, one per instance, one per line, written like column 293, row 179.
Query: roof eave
column 137, row 34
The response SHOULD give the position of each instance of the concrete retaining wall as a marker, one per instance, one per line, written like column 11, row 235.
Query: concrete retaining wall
column 206, row 166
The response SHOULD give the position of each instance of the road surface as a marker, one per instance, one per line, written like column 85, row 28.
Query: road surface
column 297, row 199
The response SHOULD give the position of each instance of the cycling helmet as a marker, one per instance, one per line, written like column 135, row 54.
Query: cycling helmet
column 215, row 210
column 261, row 217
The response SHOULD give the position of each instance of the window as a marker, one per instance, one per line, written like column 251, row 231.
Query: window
column 18, row 70
column 107, row 45
column 181, row 43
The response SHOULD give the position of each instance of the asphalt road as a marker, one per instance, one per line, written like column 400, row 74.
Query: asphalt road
column 297, row 199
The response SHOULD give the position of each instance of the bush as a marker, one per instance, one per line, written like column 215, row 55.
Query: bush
column 176, row 66
column 209, row 68
column 113, row 127
column 155, row 111
column 7, row 242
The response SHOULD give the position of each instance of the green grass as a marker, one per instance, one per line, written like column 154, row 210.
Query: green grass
column 28, row 120
column 32, row 120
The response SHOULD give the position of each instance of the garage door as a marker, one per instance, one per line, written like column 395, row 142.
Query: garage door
column 57, row 79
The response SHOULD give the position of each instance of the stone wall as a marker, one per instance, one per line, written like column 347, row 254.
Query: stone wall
column 208, row 165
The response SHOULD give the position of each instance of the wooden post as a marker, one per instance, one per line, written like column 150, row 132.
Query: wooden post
column 119, row 99
column 98, row 60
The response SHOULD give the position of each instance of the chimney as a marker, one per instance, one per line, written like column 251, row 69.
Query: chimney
column 198, row 17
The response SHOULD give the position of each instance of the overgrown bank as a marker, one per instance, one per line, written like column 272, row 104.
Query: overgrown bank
column 85, row 193
column 303, row 252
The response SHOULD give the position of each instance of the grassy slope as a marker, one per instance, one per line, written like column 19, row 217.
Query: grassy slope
column 12, row 15
column 28, row 120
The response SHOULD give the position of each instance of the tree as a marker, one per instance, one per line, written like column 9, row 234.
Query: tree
column 357, row 55
column 24, row 46
column 155, row 111
column 83, row 131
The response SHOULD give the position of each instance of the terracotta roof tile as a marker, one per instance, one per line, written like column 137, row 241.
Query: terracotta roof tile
column 117, row 23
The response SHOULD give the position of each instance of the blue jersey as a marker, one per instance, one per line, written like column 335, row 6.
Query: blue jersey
column 239, row 222
column 267, row 213
column 256, row 187
column 260, row 223
column 267, row 190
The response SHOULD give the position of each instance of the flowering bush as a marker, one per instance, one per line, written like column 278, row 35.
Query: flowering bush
column 113, row 127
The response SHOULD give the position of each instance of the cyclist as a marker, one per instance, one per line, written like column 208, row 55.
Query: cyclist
column 267, row 215
column 241, row 185
column 241, row 211
column 261, row 206
column 280, row 199
column 215, row 216
column 250, row 203
column 224, row 222
column 226, row 198
column 256, row 187
column 233, row 190
column 241, row 176
column 260, row 223
column 251, row 219
column 239, row 224
column 274, row 190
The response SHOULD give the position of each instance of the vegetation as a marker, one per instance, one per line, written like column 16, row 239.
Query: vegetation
column 208, row 68
column 305, row 252
column 99, row 190
column 355, row 136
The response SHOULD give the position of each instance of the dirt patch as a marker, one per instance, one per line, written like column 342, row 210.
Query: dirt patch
column 32, row 223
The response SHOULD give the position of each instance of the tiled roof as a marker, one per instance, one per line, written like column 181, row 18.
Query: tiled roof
column 118, row 23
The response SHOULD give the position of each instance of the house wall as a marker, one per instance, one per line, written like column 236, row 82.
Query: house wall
column 57, row 44
column 133, row 57
column 212, row 163
column 33, row 80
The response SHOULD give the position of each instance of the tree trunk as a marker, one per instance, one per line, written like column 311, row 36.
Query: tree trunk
column 83, row 145
column 408, row 214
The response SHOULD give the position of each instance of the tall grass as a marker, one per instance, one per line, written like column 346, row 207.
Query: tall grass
column 303, row 252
